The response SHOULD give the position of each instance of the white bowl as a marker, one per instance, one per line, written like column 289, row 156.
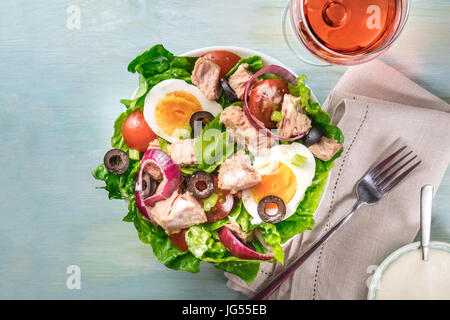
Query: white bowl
column 376, row 278
column 267, row 60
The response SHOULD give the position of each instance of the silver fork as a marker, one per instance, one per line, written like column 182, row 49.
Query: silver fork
column 375, row 185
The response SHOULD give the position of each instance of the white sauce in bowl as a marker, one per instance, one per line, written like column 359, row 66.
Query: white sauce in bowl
column 411, row 278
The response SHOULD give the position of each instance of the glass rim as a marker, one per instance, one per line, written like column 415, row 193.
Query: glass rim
column 338, row 54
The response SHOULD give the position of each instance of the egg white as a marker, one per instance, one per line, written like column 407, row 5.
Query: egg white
column 160, row 91
column 270, row 160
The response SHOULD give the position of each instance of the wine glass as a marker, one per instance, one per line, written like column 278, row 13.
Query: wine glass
column 343, row 32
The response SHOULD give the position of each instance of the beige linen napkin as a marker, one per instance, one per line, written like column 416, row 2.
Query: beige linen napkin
column 378, row 109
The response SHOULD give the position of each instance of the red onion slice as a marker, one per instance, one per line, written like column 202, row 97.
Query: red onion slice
column 171, row 180
column 238, row 249
column 146, row 211
column 285, row 75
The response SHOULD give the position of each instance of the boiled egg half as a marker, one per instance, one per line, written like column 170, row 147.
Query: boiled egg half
column 170, row 104
column 281, row 178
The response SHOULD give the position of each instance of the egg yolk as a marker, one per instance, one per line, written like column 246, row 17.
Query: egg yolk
column 282, row 184
column 175, row 110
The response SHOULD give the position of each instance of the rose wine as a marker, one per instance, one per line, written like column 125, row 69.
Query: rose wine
column 332, row 29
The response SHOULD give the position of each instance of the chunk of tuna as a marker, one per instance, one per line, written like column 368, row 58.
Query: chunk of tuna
column 237, row 230
column 237, row 173
column 178, row 212
column 182, row 151
column 240, row 129
column 238, row 80
column 161, row 210
column 206, row 76
column 325, row 148
column 295, row 121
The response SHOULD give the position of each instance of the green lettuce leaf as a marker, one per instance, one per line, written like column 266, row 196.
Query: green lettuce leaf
column 311, row 107
column 205, row 245
column 213, row 146
column 273, row 238
column 163, row 249
column 174, row 73
column 301, row 90
column 320, row 117
column 189, row 170
column 317, row 114
column 255, row 63
column 118, row 186
column 242, row 217
column 333, row 132
column 185, row 63
column 215, row 225
column 247, row 271
column 203, row 241
column 153, row 61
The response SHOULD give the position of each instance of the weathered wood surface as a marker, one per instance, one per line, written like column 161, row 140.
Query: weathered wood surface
column 59, row 96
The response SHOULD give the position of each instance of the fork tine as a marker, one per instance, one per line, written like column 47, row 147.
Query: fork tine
column 384, row 162
column 388, row 179
column 402, row 176
column 378, row 177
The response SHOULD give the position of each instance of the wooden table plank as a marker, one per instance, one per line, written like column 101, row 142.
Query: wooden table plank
column 59, row 95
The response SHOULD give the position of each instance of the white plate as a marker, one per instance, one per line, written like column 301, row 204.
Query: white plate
column 376, row 278
column 267, row 60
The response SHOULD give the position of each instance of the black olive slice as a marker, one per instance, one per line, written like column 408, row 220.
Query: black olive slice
column 271, row 218
column 116, row 161
column 313, row 136
column 149, row 185
column 201, row 185
column 231, row 95
column 203, row 116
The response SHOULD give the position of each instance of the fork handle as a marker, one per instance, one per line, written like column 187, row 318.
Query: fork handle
column 275, row 283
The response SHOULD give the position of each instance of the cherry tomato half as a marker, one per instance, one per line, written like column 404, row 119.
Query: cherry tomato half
column 136, row 132
column 267, row 96
column 225, row 59
column 179, row 240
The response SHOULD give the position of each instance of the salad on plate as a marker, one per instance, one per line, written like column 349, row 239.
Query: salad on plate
column 221, row 159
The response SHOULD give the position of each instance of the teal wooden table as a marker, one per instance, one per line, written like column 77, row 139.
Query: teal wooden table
column 59, row 95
